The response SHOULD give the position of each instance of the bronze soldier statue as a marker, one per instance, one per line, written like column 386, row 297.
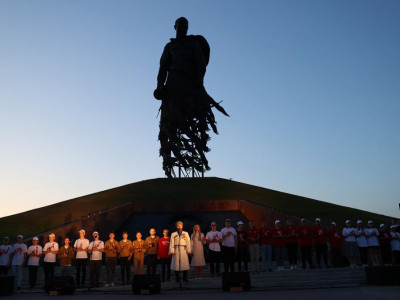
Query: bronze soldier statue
column 186, row 109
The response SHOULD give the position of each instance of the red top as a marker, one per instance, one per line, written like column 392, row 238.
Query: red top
column 335, row 238
column 163, row 247
column 305, row 236
column 291, row 232
column 241, row 239
column 265, row 234
column 279, row 240
column 384, row 237
column 320, row 234
column 252, row 236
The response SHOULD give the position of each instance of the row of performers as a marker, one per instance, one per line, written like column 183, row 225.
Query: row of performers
column 360, row 245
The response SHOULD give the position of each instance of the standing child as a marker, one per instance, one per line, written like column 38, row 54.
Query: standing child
column 81, row 248
column 163, row 256
column 125, row 255
column 214, row 239
column 96, row 248
column 5, row 256
column 19, row 250
column 50, row 251
column 395, row 244
column 111, row 249
column 138, row 254
column 66, row 254
column 34, row 254
column 151, row 243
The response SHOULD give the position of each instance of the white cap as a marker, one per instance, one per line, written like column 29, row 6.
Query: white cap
column 370, row 222
column 348, row 222
column 302, row 220
column 277, row 221
column 359, row 222
column 95, row 233
column 82, row 230
column 318, row 220
column 240, row 223
column 20, row 236
column 333, row 223
column 35, row 238
column 213, row 223
column 393, row 226
column 382, row 225
column 52, row 234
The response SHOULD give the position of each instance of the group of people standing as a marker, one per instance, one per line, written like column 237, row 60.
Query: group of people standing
column 180, row 251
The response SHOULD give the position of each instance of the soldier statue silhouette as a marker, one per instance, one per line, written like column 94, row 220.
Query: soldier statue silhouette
column 186, row 108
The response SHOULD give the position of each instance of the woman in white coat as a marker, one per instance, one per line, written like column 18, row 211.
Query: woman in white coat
column 180, row 248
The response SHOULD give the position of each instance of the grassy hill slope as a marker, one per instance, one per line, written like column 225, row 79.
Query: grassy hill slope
column 163, row 189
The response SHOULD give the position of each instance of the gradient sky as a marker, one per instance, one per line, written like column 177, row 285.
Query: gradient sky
column 312, row 88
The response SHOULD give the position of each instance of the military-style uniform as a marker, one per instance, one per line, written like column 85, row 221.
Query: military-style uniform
column 151, row 244
column 111, row 249
column 139, row 249
column 126, row 251
column 66, row 255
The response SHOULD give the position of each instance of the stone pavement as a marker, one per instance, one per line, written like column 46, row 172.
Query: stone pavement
column 353, row 293
column 333, row 283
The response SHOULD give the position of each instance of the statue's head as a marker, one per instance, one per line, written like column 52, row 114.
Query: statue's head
column 181, row 26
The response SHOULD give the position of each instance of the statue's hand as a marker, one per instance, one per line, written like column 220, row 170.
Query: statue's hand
column 159, row 93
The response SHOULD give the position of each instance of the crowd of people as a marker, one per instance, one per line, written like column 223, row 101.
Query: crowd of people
column 354, row 246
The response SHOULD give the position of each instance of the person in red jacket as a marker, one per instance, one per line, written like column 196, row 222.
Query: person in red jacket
column 305, row 234
column 335, row 241
column 242, row 247
column 384, row 241
column 291, row 244
column 320, row 242
column 279, row 241
column 266, row 247
column 163, row 256
column 253, row 239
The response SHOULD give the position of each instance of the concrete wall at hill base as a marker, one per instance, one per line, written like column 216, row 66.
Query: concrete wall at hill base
column 113, row 219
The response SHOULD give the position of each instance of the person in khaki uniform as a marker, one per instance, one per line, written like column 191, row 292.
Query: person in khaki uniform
column 66, row 254
column 151, row 244
column 111, row 249
column 125, row 255
column 139, row 250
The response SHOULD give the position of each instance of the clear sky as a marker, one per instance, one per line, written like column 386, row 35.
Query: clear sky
column 312, row 88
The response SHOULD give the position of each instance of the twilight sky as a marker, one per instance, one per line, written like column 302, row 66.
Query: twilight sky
column 312, row 88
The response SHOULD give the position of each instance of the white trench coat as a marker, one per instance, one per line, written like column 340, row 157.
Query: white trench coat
column 181, row 247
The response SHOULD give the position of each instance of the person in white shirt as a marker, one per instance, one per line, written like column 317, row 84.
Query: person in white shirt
column 374, row 254
column 19, row 250
column 362, row 242
column 81, row 247
column 214, row 238
column 50, row 251
column 34, row 254
column 229, row 245
column 5, row 256
column 350, row 242
column 96, row 248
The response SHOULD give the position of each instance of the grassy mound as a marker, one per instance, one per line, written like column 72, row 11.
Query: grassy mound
column 167, row 190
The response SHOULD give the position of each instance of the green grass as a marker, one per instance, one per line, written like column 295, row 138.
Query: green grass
column 163, row 189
